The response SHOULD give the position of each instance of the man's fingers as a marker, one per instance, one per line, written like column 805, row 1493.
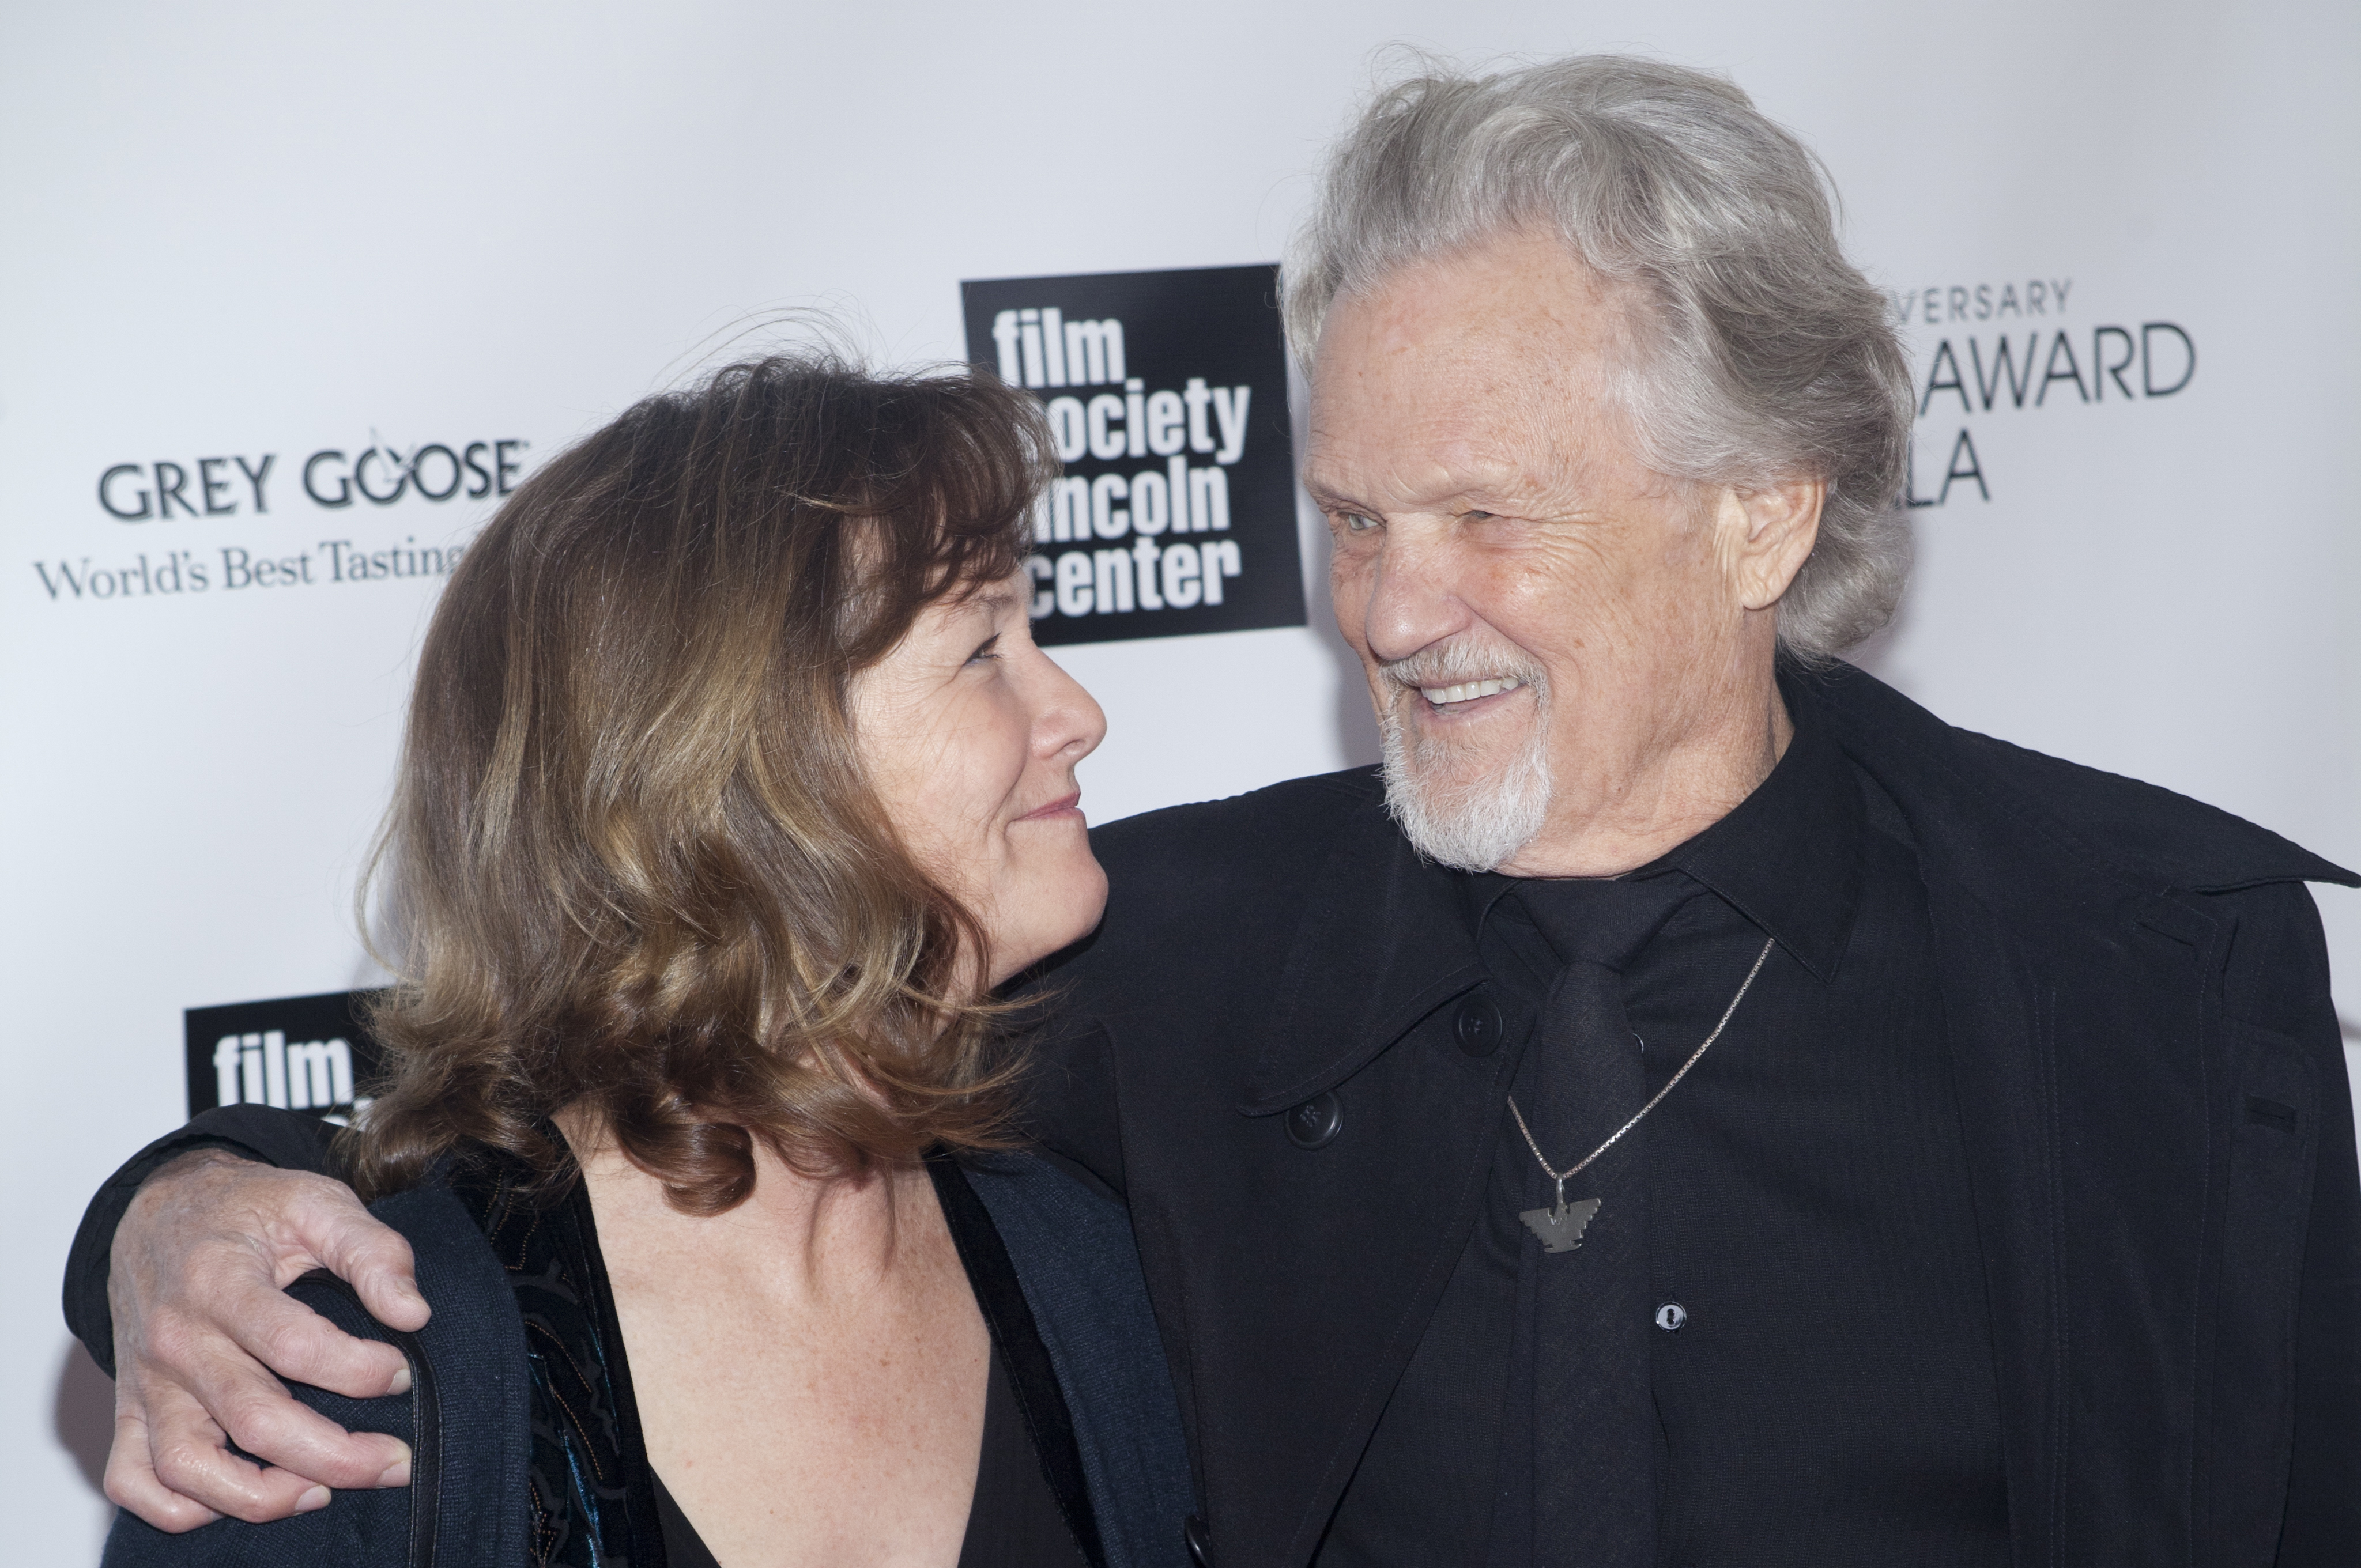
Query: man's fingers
column 186, row 1456
column 373, row 1259
column 264, row 1420
column 131, row 1481
column 288, row 1337
column 197, row 1269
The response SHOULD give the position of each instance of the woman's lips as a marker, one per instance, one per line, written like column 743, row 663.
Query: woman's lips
column 1069, row 806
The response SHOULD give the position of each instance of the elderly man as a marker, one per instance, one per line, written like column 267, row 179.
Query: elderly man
column 1691, row 1105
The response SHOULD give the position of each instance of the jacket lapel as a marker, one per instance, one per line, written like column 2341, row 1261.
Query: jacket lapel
column 1328, row 1260
column 1383, row 942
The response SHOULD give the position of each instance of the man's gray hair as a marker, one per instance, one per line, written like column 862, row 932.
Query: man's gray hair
column 1764, row 354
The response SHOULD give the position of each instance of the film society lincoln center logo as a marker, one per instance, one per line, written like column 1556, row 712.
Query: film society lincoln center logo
column 300, row 1053
column 1167, row 394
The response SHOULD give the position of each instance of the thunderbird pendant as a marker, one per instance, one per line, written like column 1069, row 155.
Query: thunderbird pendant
column 1560, row 1229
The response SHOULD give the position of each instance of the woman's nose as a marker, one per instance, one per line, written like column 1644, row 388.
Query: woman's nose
column 1070, row 723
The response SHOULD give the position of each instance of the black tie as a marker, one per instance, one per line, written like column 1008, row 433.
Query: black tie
column 1594, row 1409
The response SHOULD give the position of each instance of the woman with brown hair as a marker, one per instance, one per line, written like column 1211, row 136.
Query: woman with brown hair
column 733, row 785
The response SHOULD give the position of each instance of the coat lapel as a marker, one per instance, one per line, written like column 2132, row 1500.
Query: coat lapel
column 1327, row 1261
column 1384, row 941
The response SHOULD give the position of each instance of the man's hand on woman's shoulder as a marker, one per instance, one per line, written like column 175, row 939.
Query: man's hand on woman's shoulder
column 196, row 1283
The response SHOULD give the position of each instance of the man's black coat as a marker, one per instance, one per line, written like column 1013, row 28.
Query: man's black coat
column 2152, row 1085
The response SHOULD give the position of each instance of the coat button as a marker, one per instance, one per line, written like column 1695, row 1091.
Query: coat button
column 1478, row 1027
column 1316, row 1121
column 1201, row 1542
column 1671, row 1316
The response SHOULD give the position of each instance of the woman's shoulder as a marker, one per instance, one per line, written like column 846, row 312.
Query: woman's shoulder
column 361, row 1528
column 465, row 1419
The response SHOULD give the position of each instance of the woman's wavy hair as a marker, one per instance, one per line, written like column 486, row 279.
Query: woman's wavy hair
column 634, row 863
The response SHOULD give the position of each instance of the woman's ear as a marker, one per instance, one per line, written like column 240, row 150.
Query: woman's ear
column 1766, row 534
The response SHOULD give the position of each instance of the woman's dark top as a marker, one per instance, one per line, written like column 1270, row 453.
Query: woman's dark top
column 1014, row 1522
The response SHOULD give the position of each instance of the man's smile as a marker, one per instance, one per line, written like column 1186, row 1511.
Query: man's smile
column 1458, row 697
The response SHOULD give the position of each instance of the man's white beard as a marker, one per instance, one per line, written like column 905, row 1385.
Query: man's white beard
column 1472, row 824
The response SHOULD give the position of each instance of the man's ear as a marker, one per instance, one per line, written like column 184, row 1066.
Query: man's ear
column 1764, row 535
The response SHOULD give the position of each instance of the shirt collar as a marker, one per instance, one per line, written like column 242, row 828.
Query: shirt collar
column 1787, row 857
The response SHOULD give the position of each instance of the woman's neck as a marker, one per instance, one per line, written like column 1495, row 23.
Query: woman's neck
column 809, row 1366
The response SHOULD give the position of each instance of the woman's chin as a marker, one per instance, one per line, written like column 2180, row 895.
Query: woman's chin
column 1054, row 921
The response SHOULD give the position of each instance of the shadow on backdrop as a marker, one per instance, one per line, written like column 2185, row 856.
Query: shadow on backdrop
column 1356, row 723
column 82, row 1414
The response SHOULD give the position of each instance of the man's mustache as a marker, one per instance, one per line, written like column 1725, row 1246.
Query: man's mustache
column 1461, row 663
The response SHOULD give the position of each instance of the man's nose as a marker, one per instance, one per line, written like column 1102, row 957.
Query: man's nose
column 1413, row 594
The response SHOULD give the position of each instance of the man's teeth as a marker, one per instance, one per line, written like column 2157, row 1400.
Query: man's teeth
column 1469, row 691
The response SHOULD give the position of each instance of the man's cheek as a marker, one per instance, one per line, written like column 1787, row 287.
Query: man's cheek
column 1348, row 594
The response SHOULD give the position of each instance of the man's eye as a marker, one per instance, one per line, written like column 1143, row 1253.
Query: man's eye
column 1355, row 523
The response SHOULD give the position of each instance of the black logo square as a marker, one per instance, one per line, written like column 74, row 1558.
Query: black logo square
column 312, row 1054
column 1167, row 392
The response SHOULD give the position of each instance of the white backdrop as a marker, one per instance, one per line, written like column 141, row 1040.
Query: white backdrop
column 247, row 227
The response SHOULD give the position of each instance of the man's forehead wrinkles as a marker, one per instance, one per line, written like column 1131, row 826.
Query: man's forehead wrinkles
column 1417, row 473
column 1392, row 480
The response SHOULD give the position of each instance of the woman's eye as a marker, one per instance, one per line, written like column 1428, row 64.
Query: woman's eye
column 988, row 648
column 1474, row 516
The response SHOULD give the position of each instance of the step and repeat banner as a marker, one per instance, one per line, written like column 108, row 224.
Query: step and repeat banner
column 292, row 298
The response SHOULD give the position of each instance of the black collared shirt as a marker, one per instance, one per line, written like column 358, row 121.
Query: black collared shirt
column 1828, row 1397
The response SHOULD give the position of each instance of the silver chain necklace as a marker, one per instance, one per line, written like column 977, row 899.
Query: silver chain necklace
column 1560, row 1229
